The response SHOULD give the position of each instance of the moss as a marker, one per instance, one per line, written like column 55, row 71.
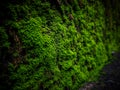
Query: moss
column 52, row 50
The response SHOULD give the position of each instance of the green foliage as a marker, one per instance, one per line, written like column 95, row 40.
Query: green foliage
column 3, row 38
column 57, row 53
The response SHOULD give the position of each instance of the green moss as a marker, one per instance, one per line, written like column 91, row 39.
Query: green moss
column 55, row 51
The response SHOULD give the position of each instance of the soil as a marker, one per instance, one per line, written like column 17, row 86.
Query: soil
column 110, row 77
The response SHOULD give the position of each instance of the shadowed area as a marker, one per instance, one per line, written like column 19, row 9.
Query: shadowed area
column 110, row 78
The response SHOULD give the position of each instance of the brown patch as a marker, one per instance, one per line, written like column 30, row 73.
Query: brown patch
column 70, row 16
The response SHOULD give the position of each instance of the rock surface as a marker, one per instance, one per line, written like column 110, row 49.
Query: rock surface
column 110, row 79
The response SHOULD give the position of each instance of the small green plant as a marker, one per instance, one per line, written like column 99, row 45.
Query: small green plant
column 54, row 51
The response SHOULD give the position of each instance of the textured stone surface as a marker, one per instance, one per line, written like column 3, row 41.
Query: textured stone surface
column 110, row 78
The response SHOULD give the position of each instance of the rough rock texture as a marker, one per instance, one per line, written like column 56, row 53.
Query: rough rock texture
column 110, row 78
